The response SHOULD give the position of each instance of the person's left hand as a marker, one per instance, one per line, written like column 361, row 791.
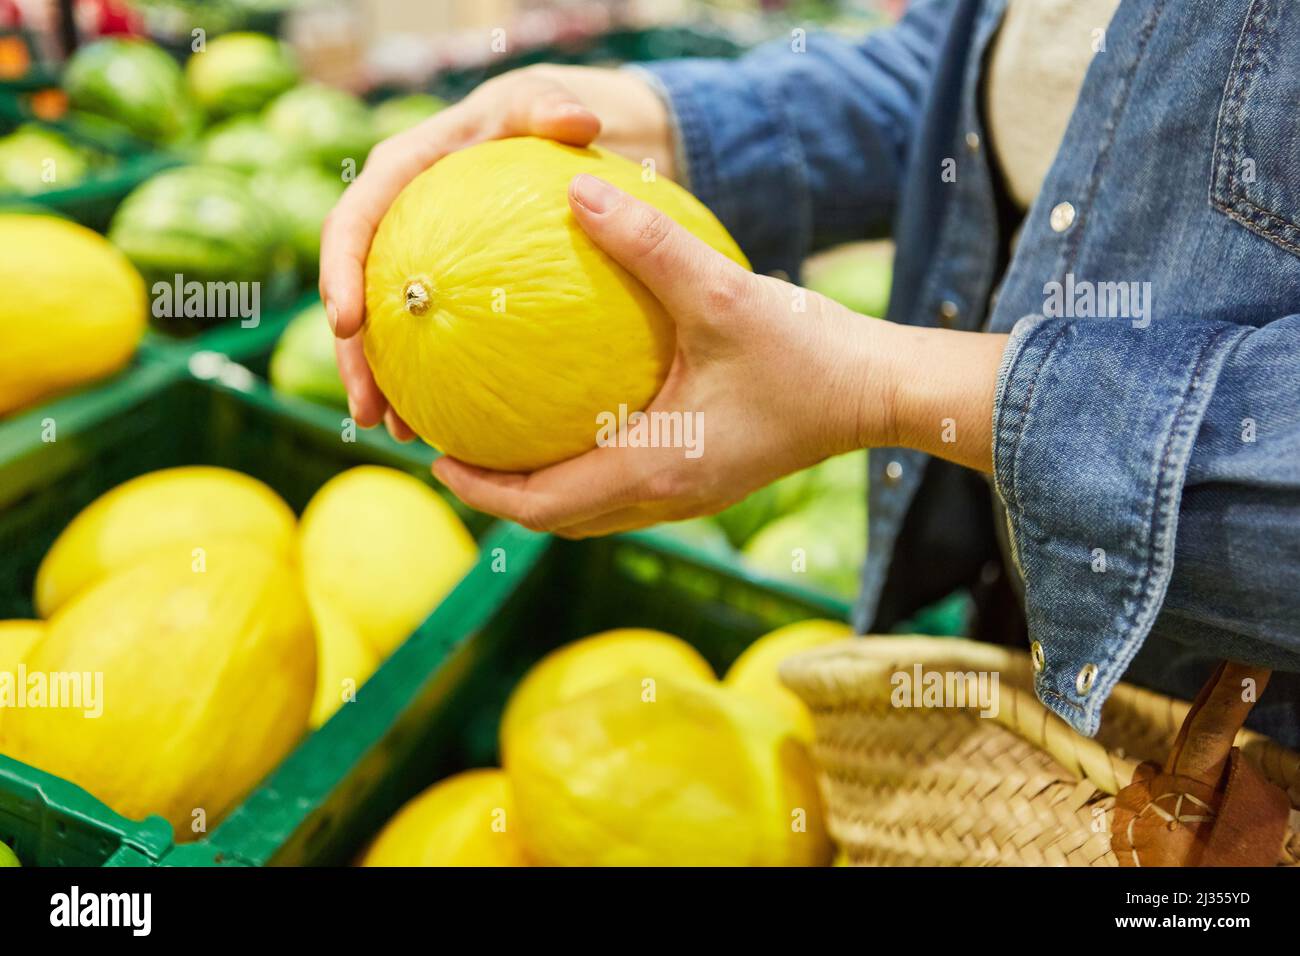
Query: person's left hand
column 781, row 378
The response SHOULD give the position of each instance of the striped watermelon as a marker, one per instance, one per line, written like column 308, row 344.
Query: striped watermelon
column 134, row 83
column 303, row 196
column 203, row 223
column 330, row 125
column 240, row 73
column 244, row 143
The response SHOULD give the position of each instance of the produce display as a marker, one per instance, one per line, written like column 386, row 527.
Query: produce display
column 331, row 126
column 402, row 112
column 202, row 223
column 302, row 197
column 240, row 73
column 192, row 591
column 60, row 333
column 540, row 351
column 247, row 145
column 35, row 159
column 240, row 627
column 808, row 527
column 622, row 749
column 303, row 363
column 135, row 84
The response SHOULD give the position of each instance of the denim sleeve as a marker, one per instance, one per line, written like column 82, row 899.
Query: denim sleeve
column 793, row 148
column 1151, row 478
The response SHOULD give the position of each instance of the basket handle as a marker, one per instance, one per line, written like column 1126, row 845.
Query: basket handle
column 1207, row 806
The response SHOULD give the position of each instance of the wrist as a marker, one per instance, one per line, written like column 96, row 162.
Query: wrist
column 943, row 389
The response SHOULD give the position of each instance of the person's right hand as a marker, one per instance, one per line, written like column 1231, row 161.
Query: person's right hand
column 528, row 102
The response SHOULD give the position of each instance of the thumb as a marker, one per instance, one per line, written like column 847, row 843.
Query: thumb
column 671, row 262
column 545, row 108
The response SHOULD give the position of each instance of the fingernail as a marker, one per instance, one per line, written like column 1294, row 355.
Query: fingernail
column 593, row 194
column 332, row 314
column 352, row 409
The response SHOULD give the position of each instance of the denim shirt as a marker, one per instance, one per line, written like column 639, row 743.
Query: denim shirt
column 1148, row 459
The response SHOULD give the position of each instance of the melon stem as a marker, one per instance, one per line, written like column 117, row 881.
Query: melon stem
column 417, row 297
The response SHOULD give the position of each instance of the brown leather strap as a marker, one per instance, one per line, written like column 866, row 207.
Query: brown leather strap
column 1208, row 805
column 1219, row 711
column 1252, row 819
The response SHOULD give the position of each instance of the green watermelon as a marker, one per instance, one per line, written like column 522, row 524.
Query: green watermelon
column 134, row 83
column 402, row 112
column 34, row 159
column 244, row 143
column 240, row 73
column 843, row 473
column 302, row 197
column 828, row 537
column 303, row 362
column 204, row 224
column 329, row 125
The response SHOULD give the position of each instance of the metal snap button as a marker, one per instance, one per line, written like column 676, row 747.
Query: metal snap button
column 1036, row 656
column 1062, row 216
column 948, row 313
column 1087, row 676
column 893, row 473
column 973, row 141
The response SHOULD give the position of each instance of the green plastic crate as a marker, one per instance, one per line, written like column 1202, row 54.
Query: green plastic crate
column 439, row 703
column 156, row 417
column 50, row 822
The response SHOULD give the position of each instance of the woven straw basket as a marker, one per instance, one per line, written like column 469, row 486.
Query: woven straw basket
column 942, row 786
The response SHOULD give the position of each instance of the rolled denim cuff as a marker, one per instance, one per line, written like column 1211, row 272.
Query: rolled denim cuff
column 1094, row 422
column 743, row 157
column 680, row 158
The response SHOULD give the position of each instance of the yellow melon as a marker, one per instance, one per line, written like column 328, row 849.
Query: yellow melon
column 16, row 639
column 72, row 311
column 465, row 820
column 755, row 671
column 497, row 329
column 384, row 548
column 193, row 685
column 697, row 776
column 185, row 510
column 592, row 662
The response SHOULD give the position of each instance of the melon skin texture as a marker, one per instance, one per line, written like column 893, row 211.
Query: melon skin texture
column 572, row 670
column 498, row 330
column 207, row 684
column 177, row 509
column 72, row 310
column 700, row 776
